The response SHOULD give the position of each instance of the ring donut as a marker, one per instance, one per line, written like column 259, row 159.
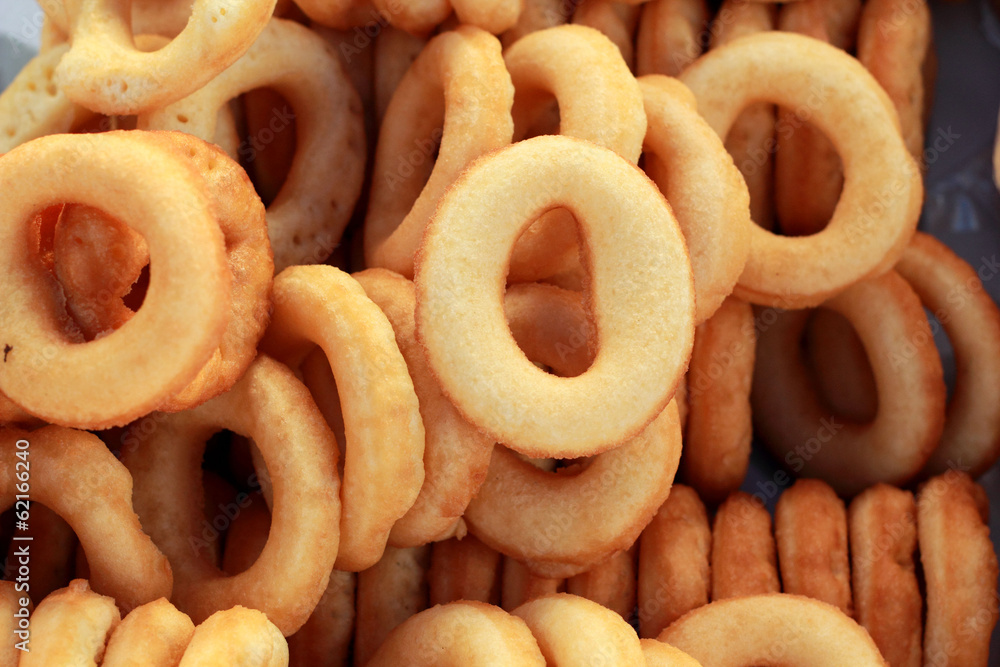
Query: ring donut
column 878, row 209
column 645, row 327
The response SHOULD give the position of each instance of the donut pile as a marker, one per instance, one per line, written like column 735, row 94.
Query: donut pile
column 377, row 333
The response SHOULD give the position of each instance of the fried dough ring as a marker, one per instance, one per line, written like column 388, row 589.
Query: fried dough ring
column 611, row 584
column 537, row 15
column 71, row 627
column 689, row 164
column 456, row 454
column 461, row 633
column 518, row 585
column 389, row 592
column 556, row 621
column 66, row 468
column 518, row 499
column 772, row 628
column 598, row 100
column 719, row 425
column 562, row 524
column 394, row 52
column 744, row 556
column 950, row 288
column 463, row 569
column 339, row 14
column 878, row 209
column 432, row 105
column 269, row 405
column 236, row 637
column 417, row 17
column 897, row 57
column 115, row 379
column 33, row 105
column 887, row 600
column 674, row 561
column 104, row 71
column 644, row 326
column 798, row 429
column 810, row 529
column 308, row 217
column 383, row 464
column 751, row 138
column 960, row 570
column 151, row 635
column 669, row 36
column 808, row 176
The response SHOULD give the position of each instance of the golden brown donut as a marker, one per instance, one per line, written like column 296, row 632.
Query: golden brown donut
column 389, row 592
column 719, row 429
column 660, row 654
column 952, row 290
column 466, row 634
column 674, row 561
column 751, row 139
column 237, row 637
column 810, row 529
column 744, row 557
column 456, row 454
column 464, row 569
column 887, row 600
column 155, row 634
column 796, row 427
column 960, row 571
column 616, row 20
column 66, row 467
column 556, row 621
column 394, row 52
column 773, row 629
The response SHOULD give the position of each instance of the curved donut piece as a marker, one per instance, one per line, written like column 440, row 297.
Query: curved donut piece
column 460, row 633
column 950, row 288
column 383, row 464
column 156, row 631
column 880, row 204
column 456, row 454
column 308, row 217
column 777, row 627
column 273, row 408
column 236, row 637
column 66, row 466
column 407, row 183
column 556, row 620
column 104, row 71
column 690, row 165
column 71, row 627
column 645, row 326
column 598, row 100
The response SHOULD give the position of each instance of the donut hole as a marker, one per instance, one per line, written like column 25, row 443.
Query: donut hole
column 840, row 369
column 268, row 140
column 52, row 549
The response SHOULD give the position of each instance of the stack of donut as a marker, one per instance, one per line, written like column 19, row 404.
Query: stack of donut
column 385, row 327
